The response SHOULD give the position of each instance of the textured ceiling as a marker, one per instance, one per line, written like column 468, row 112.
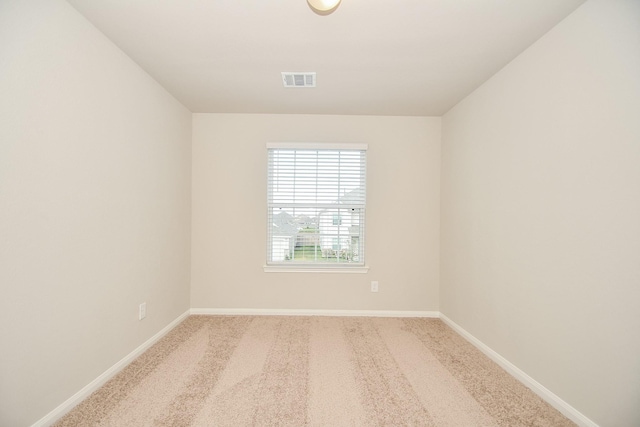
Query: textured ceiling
column 373, row 57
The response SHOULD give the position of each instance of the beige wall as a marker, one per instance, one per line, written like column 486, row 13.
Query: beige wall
column 540, row 207
column 94, row 206
column 229, row 214
column 541, row 212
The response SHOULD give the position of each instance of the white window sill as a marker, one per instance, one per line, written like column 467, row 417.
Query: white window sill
column 316, row 269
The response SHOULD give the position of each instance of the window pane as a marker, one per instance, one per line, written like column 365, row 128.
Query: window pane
column 316, row 205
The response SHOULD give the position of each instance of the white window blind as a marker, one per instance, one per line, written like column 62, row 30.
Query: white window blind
column 316, row 198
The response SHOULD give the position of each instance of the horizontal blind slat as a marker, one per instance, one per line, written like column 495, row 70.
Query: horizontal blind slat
column 316, row 205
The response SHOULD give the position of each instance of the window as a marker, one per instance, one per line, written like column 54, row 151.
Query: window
column 316, row 207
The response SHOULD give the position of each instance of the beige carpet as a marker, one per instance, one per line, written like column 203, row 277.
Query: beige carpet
column 319, row 371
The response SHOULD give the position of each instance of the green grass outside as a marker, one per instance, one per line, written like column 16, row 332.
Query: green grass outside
column 313, row 253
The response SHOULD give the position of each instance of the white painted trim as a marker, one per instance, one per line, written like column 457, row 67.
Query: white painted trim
column 86, row 391
column 316, row 269
column 306, row 312
column 567, row 410
column 319, row 145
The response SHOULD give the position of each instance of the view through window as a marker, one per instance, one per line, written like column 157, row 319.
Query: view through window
column 316, row 204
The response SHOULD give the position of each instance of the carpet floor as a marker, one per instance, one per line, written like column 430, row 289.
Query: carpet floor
column 315, row 371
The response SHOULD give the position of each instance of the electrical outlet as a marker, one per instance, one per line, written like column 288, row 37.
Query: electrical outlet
column 142, row 312
column 374, row 286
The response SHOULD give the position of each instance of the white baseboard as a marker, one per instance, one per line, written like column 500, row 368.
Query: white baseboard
column 562, row 406
column 304, row 312
column 70, row 403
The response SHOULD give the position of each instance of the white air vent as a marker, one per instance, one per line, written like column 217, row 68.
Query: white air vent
column 299, row 79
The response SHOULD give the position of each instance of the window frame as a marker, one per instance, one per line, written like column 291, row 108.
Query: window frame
column 314, row 266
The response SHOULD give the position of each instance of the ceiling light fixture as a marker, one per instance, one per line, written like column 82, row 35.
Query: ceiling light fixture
column 323, row 7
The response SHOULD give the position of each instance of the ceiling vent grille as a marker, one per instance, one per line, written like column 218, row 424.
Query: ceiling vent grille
column 299, row 79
